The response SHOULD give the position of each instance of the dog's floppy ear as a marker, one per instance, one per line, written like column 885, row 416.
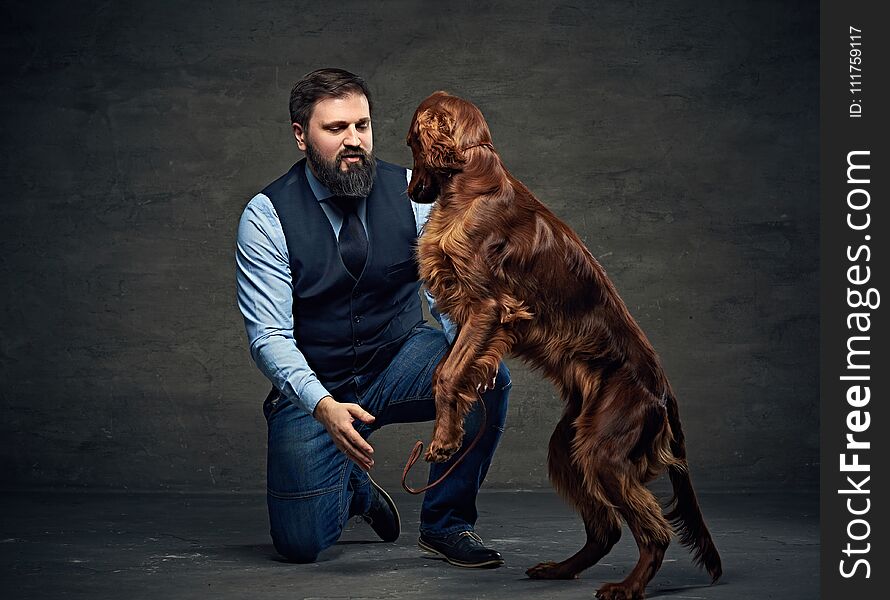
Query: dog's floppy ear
column 435, row 132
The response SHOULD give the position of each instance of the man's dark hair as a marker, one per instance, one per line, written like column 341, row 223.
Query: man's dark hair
column 320, row 84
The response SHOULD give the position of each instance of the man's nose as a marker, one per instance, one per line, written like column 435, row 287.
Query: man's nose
column 352, row 138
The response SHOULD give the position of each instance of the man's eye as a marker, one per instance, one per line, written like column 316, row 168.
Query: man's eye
column 363, row 126
column 334, row 129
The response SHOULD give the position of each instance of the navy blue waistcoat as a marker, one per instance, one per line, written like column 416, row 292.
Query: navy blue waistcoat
column 345, row 327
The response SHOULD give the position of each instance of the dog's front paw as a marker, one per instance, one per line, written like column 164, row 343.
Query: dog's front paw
column 440, row 451
column 620, row 591
column 549, row 570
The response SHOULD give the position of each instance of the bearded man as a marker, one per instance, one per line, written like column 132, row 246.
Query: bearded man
column 328, row 287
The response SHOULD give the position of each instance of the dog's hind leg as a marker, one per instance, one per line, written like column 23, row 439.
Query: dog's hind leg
column 603, row 529
column 650, row 529
column 602, row 523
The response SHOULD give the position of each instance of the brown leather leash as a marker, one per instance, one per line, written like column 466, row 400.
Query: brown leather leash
column 418, row 448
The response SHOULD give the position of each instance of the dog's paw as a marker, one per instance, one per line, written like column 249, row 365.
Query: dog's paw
column 620, row 591
column 440, row 452
column 549, row 570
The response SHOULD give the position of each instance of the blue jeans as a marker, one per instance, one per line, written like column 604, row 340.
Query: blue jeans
column 313, row 489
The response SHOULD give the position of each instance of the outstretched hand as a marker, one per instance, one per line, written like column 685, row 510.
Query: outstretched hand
column 337, row 418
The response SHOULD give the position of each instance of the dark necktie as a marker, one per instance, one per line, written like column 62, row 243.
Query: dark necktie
column 352, row 239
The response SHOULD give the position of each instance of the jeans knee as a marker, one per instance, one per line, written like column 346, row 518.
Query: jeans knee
column 301, row 529
column 297, row 550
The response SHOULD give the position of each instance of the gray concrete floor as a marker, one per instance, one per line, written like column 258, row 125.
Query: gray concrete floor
column 133, row 546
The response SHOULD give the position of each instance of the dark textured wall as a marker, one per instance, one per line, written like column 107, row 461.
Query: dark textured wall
column 678, row 138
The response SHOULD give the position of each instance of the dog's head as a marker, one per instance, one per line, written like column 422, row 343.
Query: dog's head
column 443, row 128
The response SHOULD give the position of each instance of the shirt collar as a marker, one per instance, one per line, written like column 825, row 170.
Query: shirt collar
column 321, row 191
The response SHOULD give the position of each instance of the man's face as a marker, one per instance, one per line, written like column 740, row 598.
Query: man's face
column 338, row 143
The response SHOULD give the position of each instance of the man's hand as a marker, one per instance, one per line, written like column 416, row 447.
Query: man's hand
column 337, row 418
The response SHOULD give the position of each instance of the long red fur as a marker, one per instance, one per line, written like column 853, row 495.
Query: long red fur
column 517, row 280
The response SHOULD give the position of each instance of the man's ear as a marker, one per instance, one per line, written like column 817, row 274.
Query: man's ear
column 299, row 135
column 435, row 131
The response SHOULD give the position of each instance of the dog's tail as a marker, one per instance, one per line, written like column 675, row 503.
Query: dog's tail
column 685, row 514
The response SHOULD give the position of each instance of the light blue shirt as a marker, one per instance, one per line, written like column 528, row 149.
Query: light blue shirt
column 265, row 293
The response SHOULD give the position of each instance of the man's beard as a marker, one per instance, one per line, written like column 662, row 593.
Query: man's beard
column 356, row 181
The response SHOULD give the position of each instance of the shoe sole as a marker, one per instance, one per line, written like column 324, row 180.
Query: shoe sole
column 391, row 503
column 497, row 562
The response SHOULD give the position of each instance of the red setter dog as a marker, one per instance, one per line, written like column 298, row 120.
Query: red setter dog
column 518, row 280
